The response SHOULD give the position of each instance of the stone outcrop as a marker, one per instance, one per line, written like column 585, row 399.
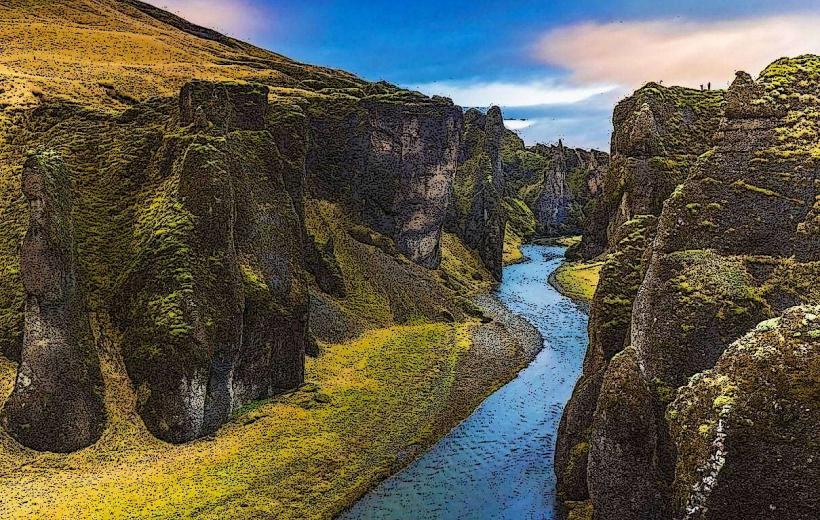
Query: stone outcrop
column 658, row 133
column 735, row 244
column 746, row 430
column 393, row 159
column 624, row 476
column 560, row 185
column 609, row 323
column 569, row 190
column 476, row 213
column 57, row 402
column 217, row 310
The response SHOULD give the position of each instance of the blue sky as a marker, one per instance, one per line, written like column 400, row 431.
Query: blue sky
column 561, row 65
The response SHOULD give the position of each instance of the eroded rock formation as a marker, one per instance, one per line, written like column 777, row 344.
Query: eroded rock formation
column 191, row 242
column 560, row 185
column 658, row 133
column 735, row 244
column 392, row 159
column 217, row 308
column 476, row 213
column 746, row 430
column 57, row 402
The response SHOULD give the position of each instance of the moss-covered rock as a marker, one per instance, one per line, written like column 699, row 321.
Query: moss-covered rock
column 624, row 477
column 476, row 213
column 658, row 133
column 560, row 185
column 735, row 244
column 57, row 402
column 746, row 430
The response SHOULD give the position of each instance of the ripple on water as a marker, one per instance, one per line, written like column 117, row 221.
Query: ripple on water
column 498, row 462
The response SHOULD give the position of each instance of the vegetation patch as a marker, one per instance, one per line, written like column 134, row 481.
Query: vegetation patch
column 577, row 280
column 307, row 454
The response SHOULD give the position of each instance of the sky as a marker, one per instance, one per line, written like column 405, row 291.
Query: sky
column 556, row 68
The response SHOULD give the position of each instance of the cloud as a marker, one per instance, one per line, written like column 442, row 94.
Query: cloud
column 518, row 124
column 683, row 52
column 508, row 94
column 235, row 17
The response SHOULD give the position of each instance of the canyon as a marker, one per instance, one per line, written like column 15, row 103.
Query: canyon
column 195, row 233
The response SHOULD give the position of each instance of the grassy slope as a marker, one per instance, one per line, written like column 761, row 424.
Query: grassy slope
column 304, row 455
column 578, row 280
column 103, row 52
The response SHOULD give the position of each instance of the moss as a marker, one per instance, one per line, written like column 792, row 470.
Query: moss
column 763, row 191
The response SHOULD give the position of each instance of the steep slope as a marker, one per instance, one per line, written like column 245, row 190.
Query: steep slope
column 652, row 149
column 476, row 213
column 560, row 185
column 736, row 243
column 211, row 228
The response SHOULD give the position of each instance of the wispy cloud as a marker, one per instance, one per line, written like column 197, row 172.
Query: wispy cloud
column 508, row 94
column 685, row 52
column 234, row 17
column 518, row 124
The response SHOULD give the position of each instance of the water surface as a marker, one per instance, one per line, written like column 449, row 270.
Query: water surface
column 497, row 464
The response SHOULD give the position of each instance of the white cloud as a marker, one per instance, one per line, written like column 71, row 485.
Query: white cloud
column 235, row 17
column 518, row 124
column 508, row 94
column 684, row 52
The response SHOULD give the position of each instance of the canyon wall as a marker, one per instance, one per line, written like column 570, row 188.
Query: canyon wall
column 560, row 185
column 189, row 239
column 664, row 422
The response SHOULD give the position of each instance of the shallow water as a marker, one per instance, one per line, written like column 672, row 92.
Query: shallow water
column 497, row 464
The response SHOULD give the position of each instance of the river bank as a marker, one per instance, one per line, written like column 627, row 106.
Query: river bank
column 498, row 462
column 577, row 280
column 370, row 407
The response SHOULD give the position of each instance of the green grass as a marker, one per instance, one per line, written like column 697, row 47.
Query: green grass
column 303, row 455
column 578, row 280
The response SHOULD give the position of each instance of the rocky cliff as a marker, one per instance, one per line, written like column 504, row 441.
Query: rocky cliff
column 194, row 237
column 560, row 185
column 735, row 244
column 658, row 133
column 476, row 213
column 57, row 400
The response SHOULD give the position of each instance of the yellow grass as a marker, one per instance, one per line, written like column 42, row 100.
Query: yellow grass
column 578, row 280
column 87, row 50
column 512, row 247
column 304, row 455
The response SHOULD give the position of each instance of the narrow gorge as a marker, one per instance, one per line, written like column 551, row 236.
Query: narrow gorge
column 235, row 285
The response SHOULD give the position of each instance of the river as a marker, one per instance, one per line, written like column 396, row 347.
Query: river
column 497, row 464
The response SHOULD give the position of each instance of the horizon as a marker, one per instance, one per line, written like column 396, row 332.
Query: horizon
column 556, row 70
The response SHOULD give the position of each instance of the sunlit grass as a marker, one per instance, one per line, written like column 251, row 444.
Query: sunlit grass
column 303, row 455
column 578, row 280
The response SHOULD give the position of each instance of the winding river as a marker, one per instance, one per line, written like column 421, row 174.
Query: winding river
column 497, row 464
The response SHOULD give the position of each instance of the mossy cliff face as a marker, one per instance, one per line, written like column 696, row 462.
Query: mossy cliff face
column 732, row 246
column 609, row 320
column 560, row 185
column 658, row 133
column 391, row 158
column 57, row 402
column 188, row 242
column 476, row 213
column 570, row 188
column 736, row 243
column 746, row 430
column 216, row 313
